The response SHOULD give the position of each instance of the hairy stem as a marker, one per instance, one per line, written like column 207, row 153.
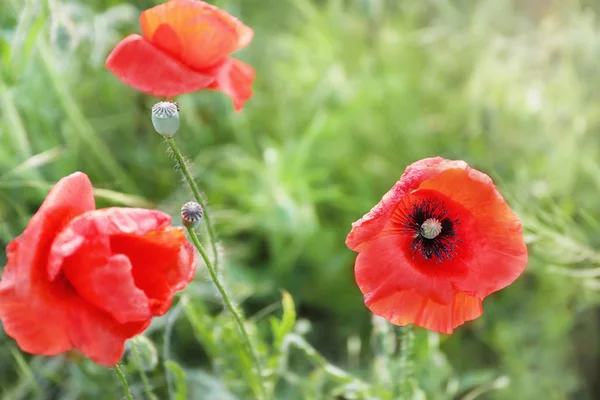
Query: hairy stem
column 121, row 375
column 231, row 307
column 407, row 341
column 187, row 175
column 138, row 359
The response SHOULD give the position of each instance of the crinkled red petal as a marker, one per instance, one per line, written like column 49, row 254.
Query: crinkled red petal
column 101, row 225
column 371, row 225
column 106, row 282
column 244, row 33
column 28, row 300
column 235, row 78
column 195, row 33
column 102, row 275
column 25, row 312
column 163, row 262
column 139, row 64
column 97, row 335
column 410, row 307
column 383, row 268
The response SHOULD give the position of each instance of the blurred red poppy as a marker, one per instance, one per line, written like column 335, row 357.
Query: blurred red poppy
column 437, row 244
column 79, row 278
column 185, row 48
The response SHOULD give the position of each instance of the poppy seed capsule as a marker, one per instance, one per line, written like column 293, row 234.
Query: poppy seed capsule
column 165, row 118
column 431, row 228
column 191, row 214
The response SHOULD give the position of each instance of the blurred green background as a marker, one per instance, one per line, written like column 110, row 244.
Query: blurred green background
column 348, row 93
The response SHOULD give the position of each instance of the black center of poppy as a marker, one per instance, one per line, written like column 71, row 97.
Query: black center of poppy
column 432, row 228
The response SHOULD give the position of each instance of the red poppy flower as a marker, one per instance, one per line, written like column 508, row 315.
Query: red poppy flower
column 440, row 241
column 90, row 279
column 185, row 48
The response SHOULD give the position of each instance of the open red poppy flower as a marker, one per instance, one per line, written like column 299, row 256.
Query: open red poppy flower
column 437, row 244
column 185, row 48
column 79, row 278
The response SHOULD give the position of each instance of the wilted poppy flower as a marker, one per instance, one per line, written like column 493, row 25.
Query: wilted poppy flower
column 185, row 48
column 86, row 279
column 437, row 244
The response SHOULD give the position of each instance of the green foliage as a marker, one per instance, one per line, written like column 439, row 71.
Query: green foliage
column 180, row 383
column 347, row 94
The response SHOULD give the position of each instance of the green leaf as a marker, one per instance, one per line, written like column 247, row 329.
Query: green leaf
column 26, row 45
column 288, row 320
column 5, row 51
column 180, row 382
column 202, row 324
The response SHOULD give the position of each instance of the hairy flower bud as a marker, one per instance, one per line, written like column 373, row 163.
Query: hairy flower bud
column 143, row 353
column 191, row 214
column 165, row 118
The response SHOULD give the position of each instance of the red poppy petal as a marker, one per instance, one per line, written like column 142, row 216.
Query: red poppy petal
column 495, row 234
column 235, row 78
column 27, row 298
column 244, row 33
column 167, row 40
column 383, row 269
column 207, row 33
column 160, row 260
column 74, row 191
column 99, row 273
column 370, row 226
column 408, row 306
column 24, row 315
column 163, row 262
column 71, row 196
column 106, row 282
column 101, row 225
column 144, row 67
column 26, row 320
column 99, row 336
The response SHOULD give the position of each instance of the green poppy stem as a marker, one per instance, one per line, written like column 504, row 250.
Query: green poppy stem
column 121, row 375
column 185, row 171
column 138, row 359
column 237, row 316
column 407, row 341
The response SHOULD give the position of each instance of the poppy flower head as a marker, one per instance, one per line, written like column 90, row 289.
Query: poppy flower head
column 185, row 47
column 440, row 241
column 86, row 279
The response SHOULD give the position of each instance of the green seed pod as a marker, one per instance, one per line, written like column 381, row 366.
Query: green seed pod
column 143, row 353
column 165, row 118
column 191, row 214
column 431, row 228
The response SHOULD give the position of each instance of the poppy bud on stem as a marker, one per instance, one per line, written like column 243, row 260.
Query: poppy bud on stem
column 191, row 214
column 171, row 107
